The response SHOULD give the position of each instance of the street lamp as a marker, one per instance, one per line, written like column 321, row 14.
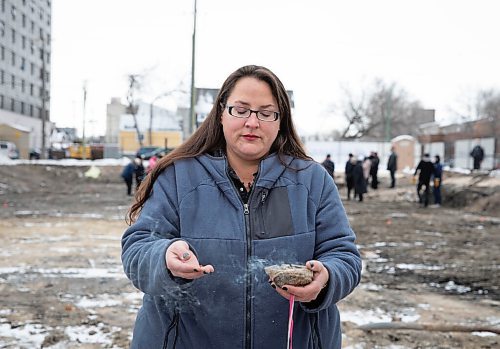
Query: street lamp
column 192, row 116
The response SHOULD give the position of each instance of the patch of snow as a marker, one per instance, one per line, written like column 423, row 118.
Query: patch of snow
column 102, row 301
column 363, row 317
column 419, row 266
column 27, row 336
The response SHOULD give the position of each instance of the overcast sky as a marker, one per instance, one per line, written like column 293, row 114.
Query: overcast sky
column 439, row 51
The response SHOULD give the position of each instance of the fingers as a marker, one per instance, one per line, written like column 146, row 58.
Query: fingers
column 182, row 262
column 311, row 291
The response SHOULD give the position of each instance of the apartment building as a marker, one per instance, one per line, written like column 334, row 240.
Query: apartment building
column 25, row 56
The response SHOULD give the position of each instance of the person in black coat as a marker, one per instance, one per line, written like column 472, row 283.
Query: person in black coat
column 329, row 165
column 128, row 176
column 139, row 171
column 392, row 165
column 426, row 169
column 374, row 169
column 477, row 154
column 359, row 179
column 349, row 179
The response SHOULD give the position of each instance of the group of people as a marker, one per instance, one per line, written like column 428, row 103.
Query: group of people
column 427, row 172
column 360, row 173
column 134, row 169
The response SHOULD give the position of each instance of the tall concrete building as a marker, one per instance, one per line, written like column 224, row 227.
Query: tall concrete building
column 25, row 55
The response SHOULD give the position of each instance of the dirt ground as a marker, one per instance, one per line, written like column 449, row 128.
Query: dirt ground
column 62, row 284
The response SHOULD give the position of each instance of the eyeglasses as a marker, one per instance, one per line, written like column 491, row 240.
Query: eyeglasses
column 262, row 115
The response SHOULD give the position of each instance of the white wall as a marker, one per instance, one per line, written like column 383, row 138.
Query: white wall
column 464, row 147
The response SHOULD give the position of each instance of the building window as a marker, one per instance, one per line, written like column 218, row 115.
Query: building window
column 13, row 58
column 13, row 81
column 40, row 31
column 32, row 88
column 32, row 68
column 24, row 20
column 13, row 12
column 13, row 36
column 2, row 77
column 23, row 63
column 31, row 109
column 23, row 39
column 23, row 87
column 32, row 47
column 2, row 28
column 3, row 5
column 2, row 53
column 22, row 107
column 12, row 104
column 1, row 102
column 32, row 27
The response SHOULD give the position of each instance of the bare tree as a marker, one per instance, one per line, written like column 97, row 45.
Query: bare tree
column 132, row 108
column 381, row 112
column 489, row 103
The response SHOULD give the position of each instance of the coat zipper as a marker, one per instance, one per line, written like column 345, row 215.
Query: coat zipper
column 248, row 290
column 248, row 303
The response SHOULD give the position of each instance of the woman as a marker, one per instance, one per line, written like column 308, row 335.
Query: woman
column 240, row 194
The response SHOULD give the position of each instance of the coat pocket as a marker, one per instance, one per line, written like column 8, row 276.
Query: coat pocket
column 172, row 333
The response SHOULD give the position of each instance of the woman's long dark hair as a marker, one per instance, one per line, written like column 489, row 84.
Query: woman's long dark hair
column 209, row 137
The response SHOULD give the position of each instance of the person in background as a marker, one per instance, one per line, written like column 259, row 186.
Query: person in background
column 359, row 179
column 392, row 166
column 139, row 171
column 128, row 176
column 349, row 179
column 438, row 179
column 425, row 168
column 477, row 154
column 367, row 165
column 152, row 162
column 239, row 194
column 374, row 169
column 329, row 165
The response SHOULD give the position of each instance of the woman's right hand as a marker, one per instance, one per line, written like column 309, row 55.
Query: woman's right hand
column 182, row 262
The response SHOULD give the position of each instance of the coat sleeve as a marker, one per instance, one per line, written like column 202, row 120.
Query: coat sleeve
column 335, row 248
column 144, row 243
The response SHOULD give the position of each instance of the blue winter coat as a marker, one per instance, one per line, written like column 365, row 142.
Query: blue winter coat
column 292, row 216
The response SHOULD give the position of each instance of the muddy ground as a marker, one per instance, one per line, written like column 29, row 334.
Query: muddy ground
column 62, row 285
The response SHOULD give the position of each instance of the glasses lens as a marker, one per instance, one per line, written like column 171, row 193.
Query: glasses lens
column 266, row 115
column 239, row 112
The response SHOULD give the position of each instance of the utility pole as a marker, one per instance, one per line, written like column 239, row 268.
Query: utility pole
column 192, row 115
column 84, row 157
column 388, row 117
column 42, row 93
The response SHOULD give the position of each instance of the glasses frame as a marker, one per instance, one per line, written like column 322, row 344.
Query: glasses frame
column 230, row 110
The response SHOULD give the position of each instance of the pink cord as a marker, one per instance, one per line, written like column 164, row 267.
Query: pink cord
column 290, row 322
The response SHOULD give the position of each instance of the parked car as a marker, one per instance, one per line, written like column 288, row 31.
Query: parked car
column 35, row 154
column 9, row 150
column 145, row 150
column 159, row 152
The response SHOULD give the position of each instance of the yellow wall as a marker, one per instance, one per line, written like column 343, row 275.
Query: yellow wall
column 20, row 138
column 129, row 143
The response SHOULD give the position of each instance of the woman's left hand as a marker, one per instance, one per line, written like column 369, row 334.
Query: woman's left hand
column 311, row 291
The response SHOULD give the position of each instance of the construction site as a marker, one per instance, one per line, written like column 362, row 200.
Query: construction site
column 431, row 276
